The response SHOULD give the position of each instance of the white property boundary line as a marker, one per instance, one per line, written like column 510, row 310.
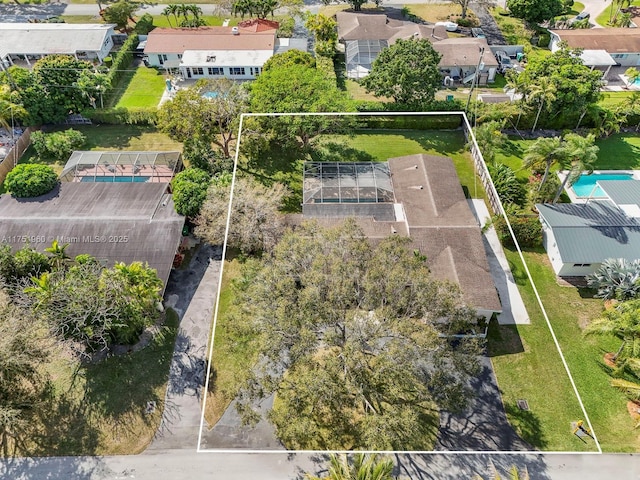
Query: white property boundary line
column 503, row 213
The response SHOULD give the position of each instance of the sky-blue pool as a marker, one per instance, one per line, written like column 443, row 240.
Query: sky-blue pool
column 121, row 179
column 584, row 186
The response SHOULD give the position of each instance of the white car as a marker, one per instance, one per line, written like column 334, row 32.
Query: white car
column 449, row 26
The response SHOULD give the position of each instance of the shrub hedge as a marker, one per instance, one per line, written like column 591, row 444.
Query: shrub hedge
column 122, row 115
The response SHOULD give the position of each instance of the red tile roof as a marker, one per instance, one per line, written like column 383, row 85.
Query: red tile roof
column 177, row 40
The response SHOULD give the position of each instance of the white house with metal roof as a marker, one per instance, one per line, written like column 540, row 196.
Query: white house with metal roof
column 31, row 41
column 579, row 237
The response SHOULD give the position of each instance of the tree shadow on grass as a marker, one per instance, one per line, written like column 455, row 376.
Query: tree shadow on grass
column 512, row 149
column 527, row 424
column 123, row 388
column 616, row 153
column 438, row 141
column 503, row 340
column 339, row 152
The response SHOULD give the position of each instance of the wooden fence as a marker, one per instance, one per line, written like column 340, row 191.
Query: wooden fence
column 16, row 152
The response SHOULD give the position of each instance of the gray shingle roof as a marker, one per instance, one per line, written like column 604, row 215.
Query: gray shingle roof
column 112, row 221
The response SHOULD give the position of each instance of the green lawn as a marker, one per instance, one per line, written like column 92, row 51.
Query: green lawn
column 603, row 18
column 112, row 137
column 99, row 408
column 144, row 90
column 234, row 352
column 569, row 310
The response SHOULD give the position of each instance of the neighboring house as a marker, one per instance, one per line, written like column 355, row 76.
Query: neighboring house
column 366, row 35
column 418, row 196
column 602, row 47
column 578, row 237
column 29, row 42
column 238, row 53
column 114, row 222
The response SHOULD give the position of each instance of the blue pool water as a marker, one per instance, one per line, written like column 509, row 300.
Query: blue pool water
column 584, row 186
column 636, row 82
column 122, row 179
column 210, row 94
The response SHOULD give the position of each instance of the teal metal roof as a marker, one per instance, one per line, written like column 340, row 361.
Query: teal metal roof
column 592, row 232
column 622, row 192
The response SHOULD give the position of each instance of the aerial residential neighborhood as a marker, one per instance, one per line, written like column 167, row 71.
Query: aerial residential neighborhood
column 322, row 240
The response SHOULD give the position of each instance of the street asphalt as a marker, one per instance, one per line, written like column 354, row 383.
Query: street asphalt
column 173, row 453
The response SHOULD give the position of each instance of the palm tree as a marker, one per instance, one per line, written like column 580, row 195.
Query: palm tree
column 364, row 467
column 543, row 93
column 544, row 150
column 57, row 254
column 170, row 10
column 577, row 154
column 623, row 322
column 183, row 10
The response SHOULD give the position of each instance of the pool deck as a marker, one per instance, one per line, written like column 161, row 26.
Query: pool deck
column 576, row 199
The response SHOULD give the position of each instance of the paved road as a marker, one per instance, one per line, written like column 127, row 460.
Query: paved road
column 189, row 465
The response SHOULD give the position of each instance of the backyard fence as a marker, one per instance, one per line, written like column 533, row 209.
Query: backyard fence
column 14, row 155
column 481, row 168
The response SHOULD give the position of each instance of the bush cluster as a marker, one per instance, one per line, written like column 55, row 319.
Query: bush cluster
column 123, row 115
column 57, row 145
column 30, row 180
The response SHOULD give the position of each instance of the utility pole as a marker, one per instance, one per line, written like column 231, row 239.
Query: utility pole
column 475, row 78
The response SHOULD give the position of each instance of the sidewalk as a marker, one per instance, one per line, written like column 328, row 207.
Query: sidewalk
column 513, row 309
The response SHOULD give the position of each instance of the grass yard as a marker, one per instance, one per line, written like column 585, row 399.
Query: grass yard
column 234, row 353
column 144, row 89
column 99, row 408
column 528, row 366
column 211, row 20
column 439, row 12
column 569, row 310
column 605, row 16
column 111, row 137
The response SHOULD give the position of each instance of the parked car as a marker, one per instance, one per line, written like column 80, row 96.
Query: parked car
column 449, row 26
column 478, row 33
column 581, row 16
column 504, row 62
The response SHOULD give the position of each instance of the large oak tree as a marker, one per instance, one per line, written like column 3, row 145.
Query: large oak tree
column 355, row 345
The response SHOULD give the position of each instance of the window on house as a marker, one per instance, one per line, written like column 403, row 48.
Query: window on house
column 179, row 56
column 215, row 71
column 236, row 71
column 164, row 57
column 581, row 264
column 255, row 71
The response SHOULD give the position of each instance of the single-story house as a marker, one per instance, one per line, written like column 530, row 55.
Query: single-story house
column 114, row 222
column 602, row 47
column 418, row 196
column 365, row 35
column 237, row 53
column 32, row 41
column 579, row 237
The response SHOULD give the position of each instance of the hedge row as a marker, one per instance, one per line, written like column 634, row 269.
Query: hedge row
column 122, row 61
column 412, row 122
column 122, row 115
column 325, row 64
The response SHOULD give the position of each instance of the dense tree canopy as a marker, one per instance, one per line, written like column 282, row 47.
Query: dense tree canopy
column 213, row 119
column 120, row 13
column 407, row 71
column 535, row 11
column 190, row 191
column 30, row 180
column 561, row 81
column 354, row 345
column 294, row 88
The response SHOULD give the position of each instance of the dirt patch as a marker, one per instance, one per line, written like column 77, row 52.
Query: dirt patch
column 634, row 411
column 609, row 360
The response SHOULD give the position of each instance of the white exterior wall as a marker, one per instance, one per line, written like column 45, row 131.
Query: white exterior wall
column 627, row 59
column 561, row 268
column 232, row 73
column 164, row 60
column 571, row 270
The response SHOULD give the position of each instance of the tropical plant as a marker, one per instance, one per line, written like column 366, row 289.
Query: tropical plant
column 616, row 278
column 542, row 155
column 171, row 9
column 57, row 254
column 542, row 93
column 489, row 138
column 363, row 467
column 190, row 191
column 623, row 322
column 509, row 189
column 10, row 110
column 514, row 473
column 57, row 145
column 578, row 154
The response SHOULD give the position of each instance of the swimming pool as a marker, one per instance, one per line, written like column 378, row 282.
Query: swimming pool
column 210, row 95
column 586, row 186
column 122, row 179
